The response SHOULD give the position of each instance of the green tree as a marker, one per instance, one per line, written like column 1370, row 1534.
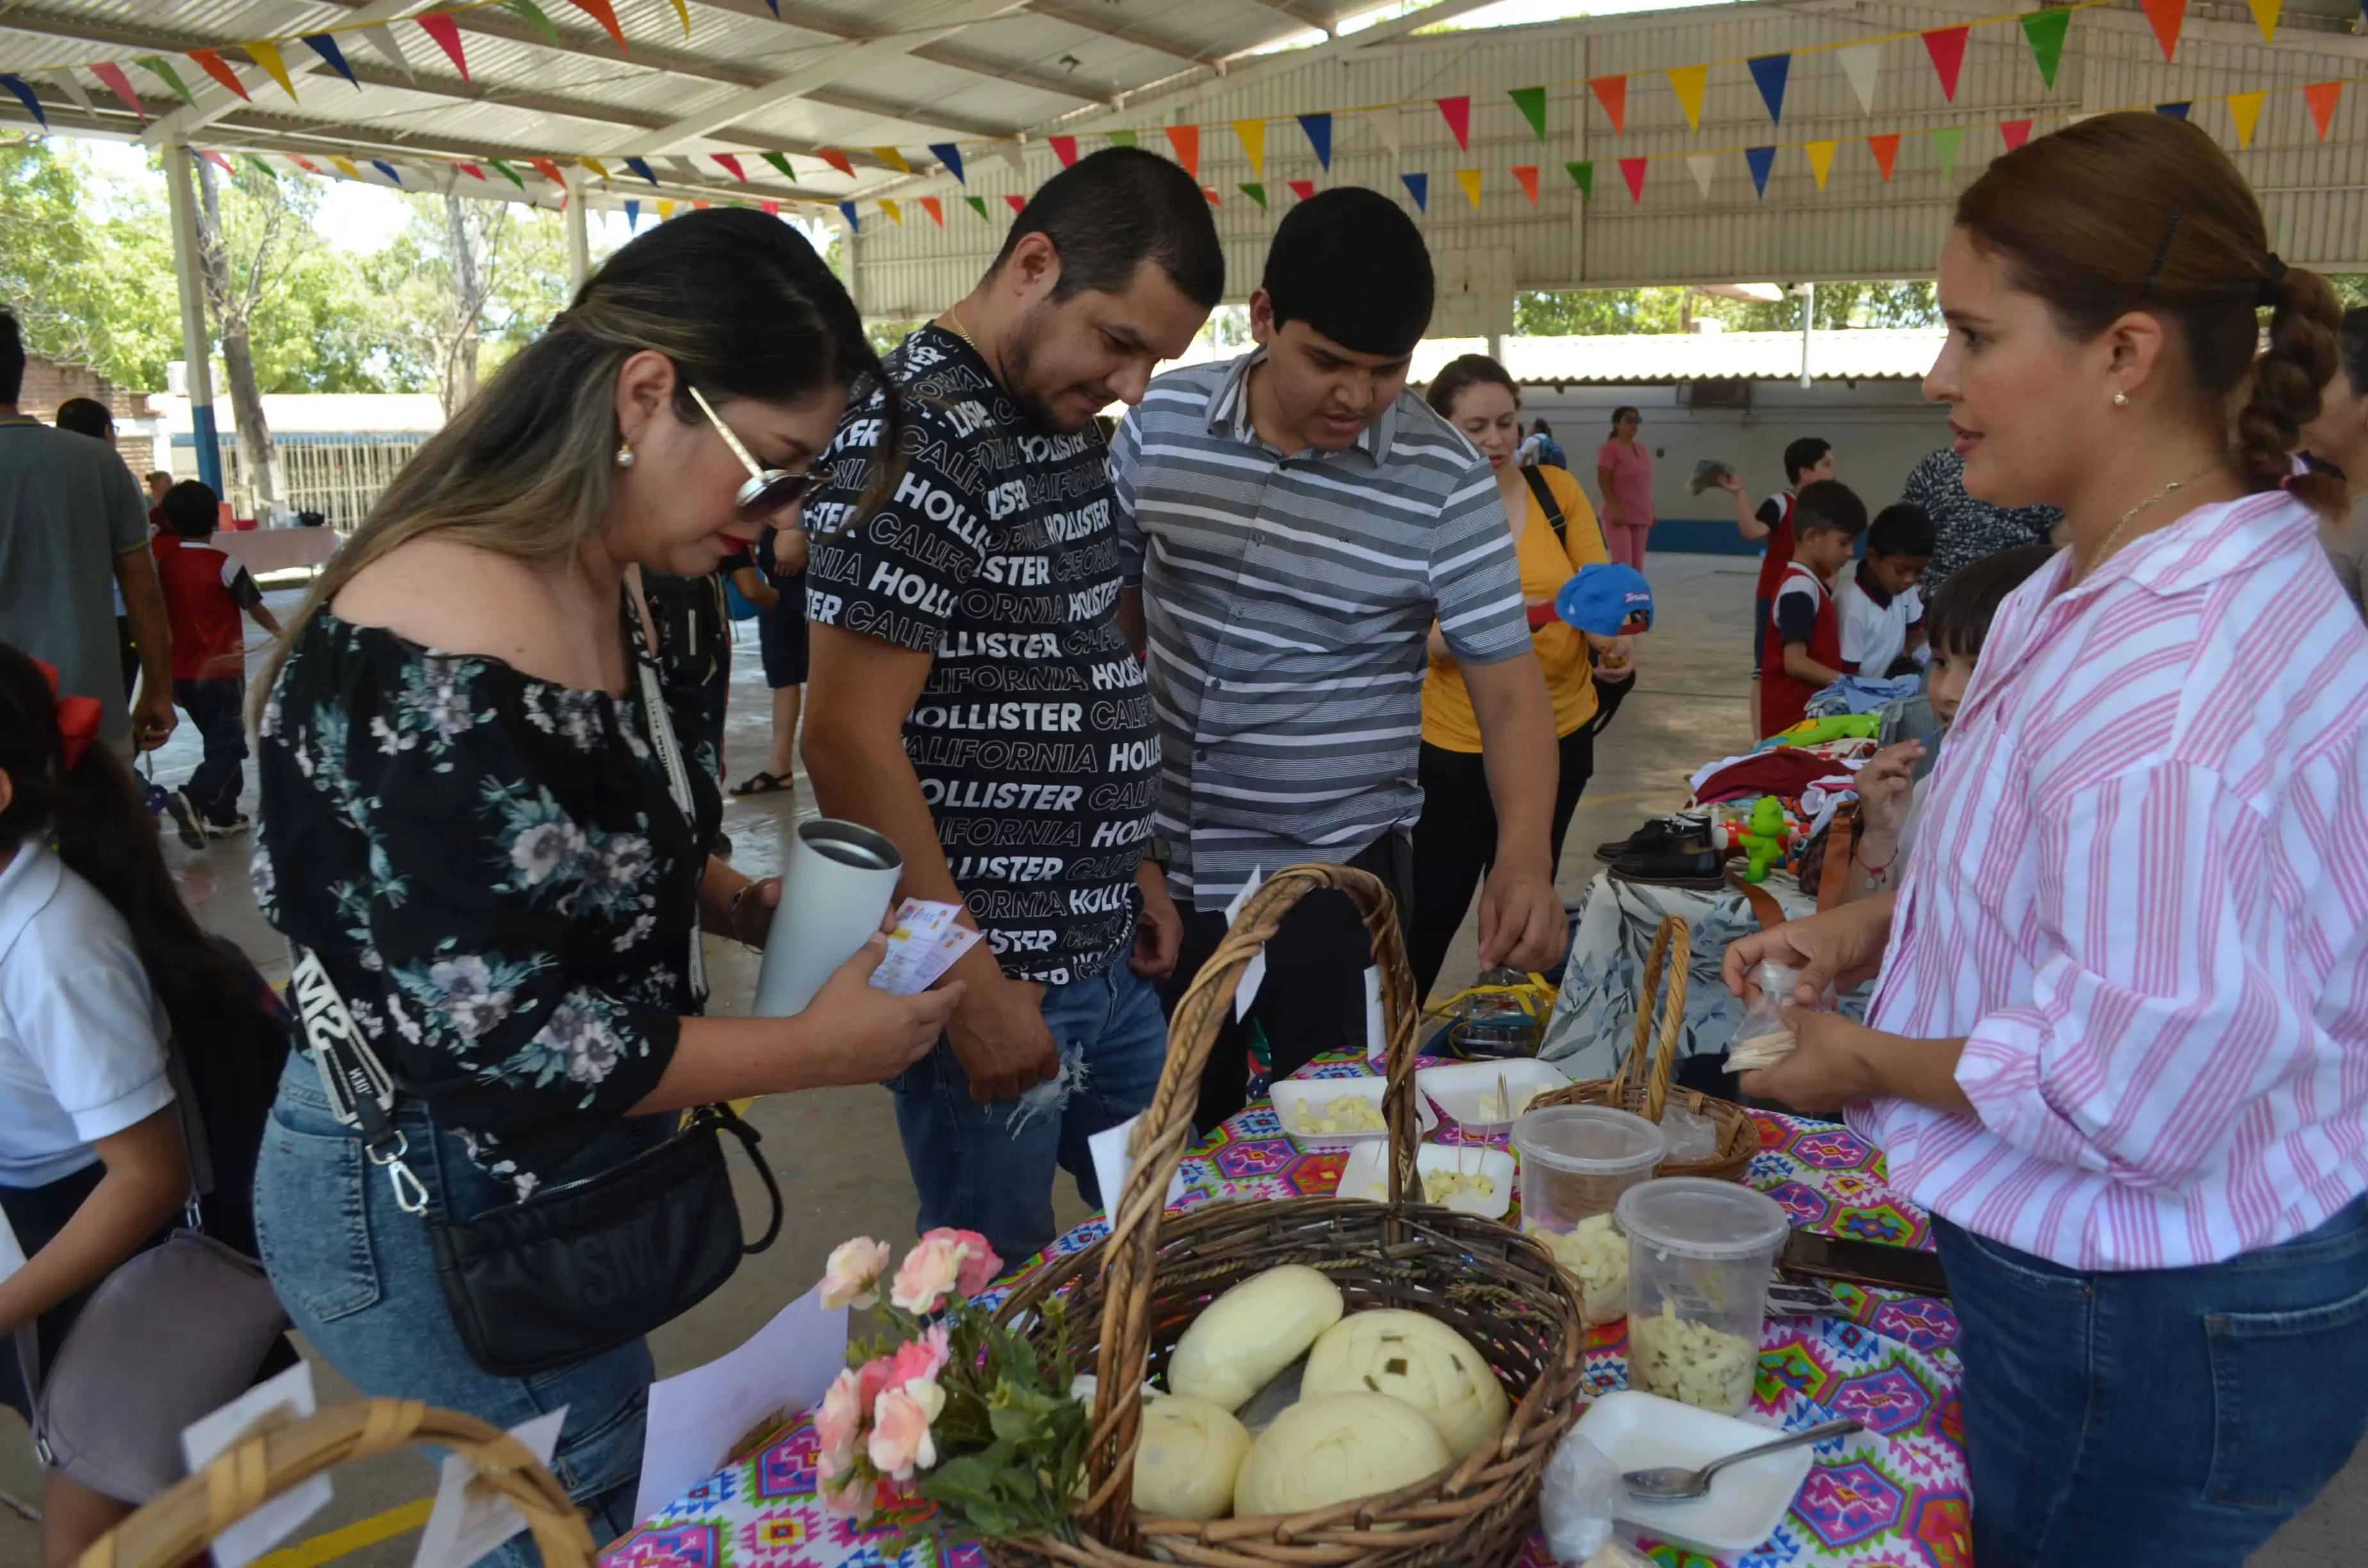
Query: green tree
column 1619, row 312
column 457, row 295
column 82, row 281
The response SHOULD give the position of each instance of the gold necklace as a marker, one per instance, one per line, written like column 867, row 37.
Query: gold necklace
column 953, row 319
column 2159, row 496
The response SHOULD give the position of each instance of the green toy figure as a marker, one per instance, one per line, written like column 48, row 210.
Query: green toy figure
column 1765, row 834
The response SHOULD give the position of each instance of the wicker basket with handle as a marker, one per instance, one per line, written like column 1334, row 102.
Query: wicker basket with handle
column 179, row 1523
column 1155, row 1272
column 1643, row 1083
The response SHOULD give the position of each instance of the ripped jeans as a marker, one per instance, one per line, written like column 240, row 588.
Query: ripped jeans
column 989, row 1167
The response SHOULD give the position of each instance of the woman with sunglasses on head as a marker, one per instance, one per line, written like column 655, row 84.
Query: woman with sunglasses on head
column 1623, row 474
column 479, row 830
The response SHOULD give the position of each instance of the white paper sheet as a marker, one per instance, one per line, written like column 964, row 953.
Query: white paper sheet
column 1377, row 1036
column 1112, row 1165
column 468, row 1522
column 12, row 1256
column 1253, row 972
column 202, row 1439
column 697, row 1419
column 925, row 944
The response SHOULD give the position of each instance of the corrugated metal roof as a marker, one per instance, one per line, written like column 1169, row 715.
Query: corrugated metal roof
column 1662, row 359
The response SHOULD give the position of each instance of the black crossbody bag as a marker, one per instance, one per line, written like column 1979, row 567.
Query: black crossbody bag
column 577, row 1268
column 1609, row 695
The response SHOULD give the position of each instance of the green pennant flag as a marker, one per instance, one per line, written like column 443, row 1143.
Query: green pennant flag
column 1531, row 102
column 2045, row 30
column 1945, row 143
column 978, row 205
column 261, row 167
column 533, row 13
column 162, row 67
column 508, row 173
column 1122, row 137
column 1582, row 174
column 781, row 163
column 1255, row 192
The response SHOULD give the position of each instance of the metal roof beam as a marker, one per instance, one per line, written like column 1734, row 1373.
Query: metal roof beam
column 215, row 100
column 889, row 108
column 1305, row 15
column 1076, row 15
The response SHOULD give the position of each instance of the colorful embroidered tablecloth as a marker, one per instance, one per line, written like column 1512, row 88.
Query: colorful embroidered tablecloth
column 1895, row 1497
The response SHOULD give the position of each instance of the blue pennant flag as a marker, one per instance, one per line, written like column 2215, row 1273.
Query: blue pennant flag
column 17, row 86
column 1418, row 187
column 847, row 209
column 1761, row 160
column 1319, row 131
column 948, row 154
column 382, row 166
column 776, row 7
column 642, row 168
column 633, row 214
column 1770, row 70
column 325, row 46
column 2179, row 110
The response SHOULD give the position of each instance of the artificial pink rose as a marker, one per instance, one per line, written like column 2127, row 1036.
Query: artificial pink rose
column 877, row 1377
column 836, row 1424
column 919, row 1360
column 979, row 1264
column 931, row 1269
column 901, row 1442
column 855, row 1266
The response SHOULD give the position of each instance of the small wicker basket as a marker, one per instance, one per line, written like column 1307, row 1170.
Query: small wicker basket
column 180, row 1523
column 1155, row 1272
column 1643, row 1082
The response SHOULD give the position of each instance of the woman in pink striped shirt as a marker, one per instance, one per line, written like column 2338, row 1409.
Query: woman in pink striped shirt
column 2119, row 1045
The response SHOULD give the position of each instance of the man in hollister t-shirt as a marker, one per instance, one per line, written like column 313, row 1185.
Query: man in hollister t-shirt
column 970, row 695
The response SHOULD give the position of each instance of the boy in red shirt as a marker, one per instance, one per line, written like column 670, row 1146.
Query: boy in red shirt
column 1801, row 652
column 1807, row 461
column 205, row 589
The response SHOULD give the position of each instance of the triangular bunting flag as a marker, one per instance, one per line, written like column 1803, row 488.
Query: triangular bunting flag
column 1251, row 134
column 1885, row 149
column 1186, row 140
column 1633, row 170
column 948, row 154
column 1303, row 188
column 1527, row 175
column 935, row 209
column 2265, row 17
column 162, row 69
column 894, row 215
column 1319, row 137
column 309, row 166
column 1019, row 203
column 120, row 85
column 1209, row 194
column 325, row 46
column 1821, row 160
column 771, row 208
column 682, row 9
column 2015, row 131
column 893, row 158
column 1770, row 71
column 1418, row 187
column 836, row 160
column 508, row 173
column 534, row 13
column 1612, row 92
column 1702, row 166
column 382, row 38
column 1120, row 138
column 977, row 205
column 1387, row 126
column 605, row 14
column 633, row 214
column 781, row 164
column 216, row 159
column 66, row 81
column 1531, row 102
column 547, row 169
column 1582, row 174
column 446, row 34
column 640, row 166
column 1063, row 148
column 382, row 166
column 1947, row 48
column 24, row 91
column 730, row 166
column 2321, row 97
column 1687, row 82
column 666, row 211
column 1946, row 144
column 345, row 167
column 1255, row 191
column 1759, row 161
column 846, row 210
column 471, row 170
column 2245, row 109
column 214, row 66
column 1470, row 180
column 2176, row 110
column 596, row 165
column 1013, row 157
column 1457, row 112
column 1862, row 63
column 2045, row 30
column 686, row 171
column 268, row 56
column 2165, row 17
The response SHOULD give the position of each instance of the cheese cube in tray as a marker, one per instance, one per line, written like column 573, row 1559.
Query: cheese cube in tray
column 1335, row 1113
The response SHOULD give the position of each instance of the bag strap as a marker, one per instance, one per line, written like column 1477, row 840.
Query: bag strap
column 1547, row 504
column 359, row 1088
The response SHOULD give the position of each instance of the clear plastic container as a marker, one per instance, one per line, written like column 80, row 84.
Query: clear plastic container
column 1576, row 1161
column 1699, row 1257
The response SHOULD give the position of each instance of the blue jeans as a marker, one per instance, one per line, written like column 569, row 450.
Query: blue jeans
column 989, row 1167
column 218, row 708
column 2161, row 1418
column 357, row 1276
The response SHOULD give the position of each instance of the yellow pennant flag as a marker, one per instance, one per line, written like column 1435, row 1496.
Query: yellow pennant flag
column 893, row 216
column 1687, row 82
column 1253, row 138
column 893, row 158
column 2265, row 17
column 2245, row 109
column 268, row 56
column 1821, row 160
column 683, row 10
column 1470, row 180
column 596, row 165
column 666, row 211
column 346, row 166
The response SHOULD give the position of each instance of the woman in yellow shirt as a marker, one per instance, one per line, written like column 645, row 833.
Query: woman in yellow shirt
column 1455, row 839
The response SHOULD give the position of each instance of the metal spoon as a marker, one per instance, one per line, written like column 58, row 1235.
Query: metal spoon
column 1675, row 1484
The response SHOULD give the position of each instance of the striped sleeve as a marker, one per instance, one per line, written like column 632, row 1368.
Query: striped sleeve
column 1475, row 577
column 1125, row 462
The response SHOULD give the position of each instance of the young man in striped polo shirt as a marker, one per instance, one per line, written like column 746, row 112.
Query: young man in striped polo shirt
column 1295, row 521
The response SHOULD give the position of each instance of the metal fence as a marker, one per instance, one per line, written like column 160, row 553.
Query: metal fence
column 341, row 477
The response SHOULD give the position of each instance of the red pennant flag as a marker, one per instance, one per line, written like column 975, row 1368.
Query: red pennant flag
column 1186, row 140
column 2016, row 132
column 1885, row 149
column 547, row 170
column 771, row 209
column 1063, row 148
column 303, row 162
column 1633, row 170
column 470, row 169
column 603, row 12
column 836, row 160
column 1612, row 92
column 1459, row 120
column 731, row 167
column 214, row 66
column 120, row 85
column 2321, row 97
column 1303, row 188
column 446, row 34
column 935, row 209
column 1947, row 47
column 217, row 158
column 1019, row 203
column 1527, row 175
column 2166, row 17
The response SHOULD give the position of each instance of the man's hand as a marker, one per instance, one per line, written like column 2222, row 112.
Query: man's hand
column 153, row 719
column 1159, row 931
column 1521, row 921
column 1831, row 1065
column 1836, row 947
column 998, row 1035
column 789, row 550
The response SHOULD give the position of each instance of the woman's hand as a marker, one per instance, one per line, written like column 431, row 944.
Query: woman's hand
column 863, row 1035
column 750, row 913
column 1836, row 947
column 1832, row 1064
column 789, row 550
column 1886, row 787
column 1615, row 657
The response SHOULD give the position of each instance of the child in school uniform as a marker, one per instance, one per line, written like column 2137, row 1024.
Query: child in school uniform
column 206, row 590
column 1802, row 651
column 1881, row 611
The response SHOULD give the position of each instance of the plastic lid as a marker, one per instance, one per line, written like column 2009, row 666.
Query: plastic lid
column 1702, row 1218
column 1591, row 1140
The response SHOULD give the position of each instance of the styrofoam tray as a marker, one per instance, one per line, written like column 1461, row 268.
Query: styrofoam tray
column 1747, row 1502
column 1367, row 1175
column 1460, row 1088
column 1291, row 1097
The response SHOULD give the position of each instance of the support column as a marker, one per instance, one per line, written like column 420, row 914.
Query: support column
column 579, row 237
column 197, row 348
column 1808, row 293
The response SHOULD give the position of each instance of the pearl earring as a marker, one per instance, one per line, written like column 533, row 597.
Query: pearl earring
column 625, row 453
column 2121, row 400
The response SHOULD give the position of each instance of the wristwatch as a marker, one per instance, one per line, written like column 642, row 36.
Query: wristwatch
column 1158, row 851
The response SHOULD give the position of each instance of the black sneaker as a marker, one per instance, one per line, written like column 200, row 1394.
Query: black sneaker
column 1673, row 865
column 1661, row 833
column 184, row 813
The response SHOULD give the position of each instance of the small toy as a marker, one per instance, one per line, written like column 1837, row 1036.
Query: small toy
column 1817, row 731
column 1765, row 835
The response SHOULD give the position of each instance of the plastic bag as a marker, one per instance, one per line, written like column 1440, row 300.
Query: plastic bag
column 1575, row 1499
column 1689, row 1137
column 1763, row 1039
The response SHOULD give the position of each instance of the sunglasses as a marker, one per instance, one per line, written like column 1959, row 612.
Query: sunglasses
column 766, row 490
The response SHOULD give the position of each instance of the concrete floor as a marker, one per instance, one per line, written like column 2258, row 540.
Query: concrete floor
column 835, row 1151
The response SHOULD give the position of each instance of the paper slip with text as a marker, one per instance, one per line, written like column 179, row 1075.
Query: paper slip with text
column 925, row 944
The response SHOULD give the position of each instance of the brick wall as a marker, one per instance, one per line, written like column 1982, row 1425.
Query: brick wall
column 49, row 383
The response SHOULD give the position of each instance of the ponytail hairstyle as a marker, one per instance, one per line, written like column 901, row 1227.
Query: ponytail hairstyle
column 737, row 300
column 2144, row 213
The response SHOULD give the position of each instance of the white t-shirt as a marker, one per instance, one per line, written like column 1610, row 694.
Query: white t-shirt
column 1874, row 625
column 82, row 1035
